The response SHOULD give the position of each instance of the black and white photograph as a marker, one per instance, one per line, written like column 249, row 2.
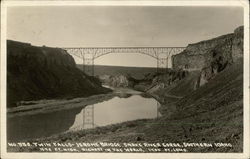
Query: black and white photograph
column 129, row 79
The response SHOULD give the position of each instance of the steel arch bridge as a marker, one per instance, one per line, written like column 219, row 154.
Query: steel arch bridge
column 89, row 54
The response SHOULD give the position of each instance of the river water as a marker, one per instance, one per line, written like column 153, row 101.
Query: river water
column 116, row 110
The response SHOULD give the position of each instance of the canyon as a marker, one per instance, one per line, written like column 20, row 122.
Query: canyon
column 201, row 97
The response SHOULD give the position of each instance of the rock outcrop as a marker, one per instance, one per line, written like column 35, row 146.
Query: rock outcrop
column 211, row 56
column 237, row 47
column 117, row 80
column 221, row 50
column 43, row 72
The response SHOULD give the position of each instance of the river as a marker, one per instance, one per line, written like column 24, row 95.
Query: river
column 126, row 107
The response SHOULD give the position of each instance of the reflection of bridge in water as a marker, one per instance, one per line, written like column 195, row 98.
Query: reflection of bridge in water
column 88, row 55
column 88, row 118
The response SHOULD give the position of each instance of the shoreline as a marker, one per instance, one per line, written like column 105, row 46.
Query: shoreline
column 46, row 106
column 58, row 105
column 181, row 120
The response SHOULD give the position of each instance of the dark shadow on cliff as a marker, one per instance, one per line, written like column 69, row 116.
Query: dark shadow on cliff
column 42, row 73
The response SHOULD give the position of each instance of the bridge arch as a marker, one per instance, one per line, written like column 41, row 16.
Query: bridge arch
column 89, row 54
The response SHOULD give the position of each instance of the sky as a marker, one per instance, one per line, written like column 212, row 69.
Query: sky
column 120, row 26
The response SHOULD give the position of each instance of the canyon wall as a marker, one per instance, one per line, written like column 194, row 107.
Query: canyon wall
column 211, row 56
column 43, row 72
column 117, row 80
column 221, row 50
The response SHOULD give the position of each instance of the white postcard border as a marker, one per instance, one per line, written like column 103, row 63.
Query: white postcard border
column 243, row 3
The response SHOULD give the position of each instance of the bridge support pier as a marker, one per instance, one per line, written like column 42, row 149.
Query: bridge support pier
column 88, row 66
column 162, row 65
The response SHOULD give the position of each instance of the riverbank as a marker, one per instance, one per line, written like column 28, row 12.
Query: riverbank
column 210, row 114
column 125, row 129
column 46, row 106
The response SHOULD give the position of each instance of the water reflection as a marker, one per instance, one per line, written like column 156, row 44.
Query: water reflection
column 116, row 110
column 124, row 95
column 40, row 125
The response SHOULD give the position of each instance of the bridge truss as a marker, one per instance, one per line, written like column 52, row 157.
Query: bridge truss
column 88, row 55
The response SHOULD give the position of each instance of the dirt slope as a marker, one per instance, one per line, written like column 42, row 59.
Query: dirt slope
column 212, row 113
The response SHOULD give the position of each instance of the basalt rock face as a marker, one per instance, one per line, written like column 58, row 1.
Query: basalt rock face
column 221, row 50
column 211, row 56
column 237, row 47
column 117, row 80
column 43, row 72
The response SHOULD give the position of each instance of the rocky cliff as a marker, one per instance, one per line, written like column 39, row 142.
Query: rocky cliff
column 117, row 80
column 221, row 50
column 44, row 72
column 211, row 56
